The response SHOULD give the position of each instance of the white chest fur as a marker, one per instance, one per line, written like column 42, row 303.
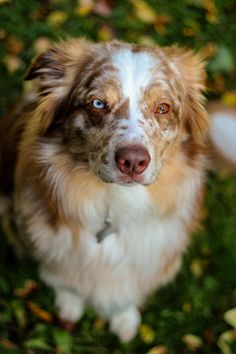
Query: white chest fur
column 143, row 251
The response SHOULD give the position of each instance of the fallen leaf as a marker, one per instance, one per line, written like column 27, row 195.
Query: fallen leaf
column 192, row 341
column 147, row 41
column 209, row 51
column 27, row 289
column 186, row 307
column 7, row 344
column 144, row 12
column 230, row 317
column 57, row 18
column 99, row 324
column 84, row 8
column 162, row 22
column 13, row 63
column 229, row 98
column 212, row 11
column 41, row 45
column 3, row 34
column 225, row 340
column 146, row 333
column 3, row 2
column 105, row 33
column 40, row 313
column 14, row 45
column 103, row 7
column 197, row 267
column 159, row 349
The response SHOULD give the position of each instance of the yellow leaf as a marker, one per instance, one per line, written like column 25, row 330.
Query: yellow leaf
column 57, row 18
column 99, row 324
column 144, row 12
column 146, row 333
column 229, row 98
column 159, row 349
column 105, row 33
column 225, row 341
column 192, row 342
column 186, row 307
column 230, row 317
column 41, row 45
column 197, row 267
column 84, row 8
column 147, row 41
column 40, row 313
column 212, row 12
column 13, row 63
column 2, row 2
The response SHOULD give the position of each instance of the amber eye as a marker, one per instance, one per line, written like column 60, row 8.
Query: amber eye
column 163, row 108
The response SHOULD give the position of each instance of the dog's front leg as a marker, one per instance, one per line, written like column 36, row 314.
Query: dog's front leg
column 125, row 324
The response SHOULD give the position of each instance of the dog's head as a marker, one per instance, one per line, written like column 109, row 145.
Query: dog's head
column 121, row 108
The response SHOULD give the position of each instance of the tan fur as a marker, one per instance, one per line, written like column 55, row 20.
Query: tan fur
column 68, row 188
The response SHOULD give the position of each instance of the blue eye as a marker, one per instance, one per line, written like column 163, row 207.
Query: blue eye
column 98, row 104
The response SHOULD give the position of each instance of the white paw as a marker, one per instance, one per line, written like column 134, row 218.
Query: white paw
column 70, row 305
column 125, row 324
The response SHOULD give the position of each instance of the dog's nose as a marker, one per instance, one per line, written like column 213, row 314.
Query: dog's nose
column 132, row 160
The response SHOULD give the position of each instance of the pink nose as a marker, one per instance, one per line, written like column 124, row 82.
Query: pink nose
column 132, row 160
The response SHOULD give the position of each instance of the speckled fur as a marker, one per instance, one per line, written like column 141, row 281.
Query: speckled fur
column 67, row 182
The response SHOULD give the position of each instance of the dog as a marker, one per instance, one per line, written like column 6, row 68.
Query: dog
column 105, row 165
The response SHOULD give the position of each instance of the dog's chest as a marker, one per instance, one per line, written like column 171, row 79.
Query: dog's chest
column 130, row 231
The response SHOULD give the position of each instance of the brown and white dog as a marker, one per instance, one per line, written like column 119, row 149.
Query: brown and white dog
column 106, row 165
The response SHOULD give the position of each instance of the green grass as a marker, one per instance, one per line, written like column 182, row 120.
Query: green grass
column 206, row 286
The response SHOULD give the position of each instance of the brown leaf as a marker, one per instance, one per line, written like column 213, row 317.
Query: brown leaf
column 103, row 7
column 29, row 287
column 3, row 34
column 105, row 33
column 192, row 341
column 162, row 22
column 14, row 45
column 40, row 313
column 7, row 344
column 99, row 324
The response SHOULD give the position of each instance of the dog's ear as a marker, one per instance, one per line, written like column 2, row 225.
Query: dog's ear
column 55, row 72
column 191, row 74
column 51, row 68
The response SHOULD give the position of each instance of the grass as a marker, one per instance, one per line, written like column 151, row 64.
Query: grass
column 205, row 289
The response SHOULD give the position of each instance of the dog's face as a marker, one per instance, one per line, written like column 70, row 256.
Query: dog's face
column 122, row 108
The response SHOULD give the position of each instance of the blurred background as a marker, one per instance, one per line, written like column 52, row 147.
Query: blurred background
column 197, row 313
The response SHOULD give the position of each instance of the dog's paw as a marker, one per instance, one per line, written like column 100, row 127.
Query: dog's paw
column 125, row 324
column 70, row 306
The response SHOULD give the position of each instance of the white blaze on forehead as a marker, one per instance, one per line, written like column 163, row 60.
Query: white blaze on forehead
column 135, row 72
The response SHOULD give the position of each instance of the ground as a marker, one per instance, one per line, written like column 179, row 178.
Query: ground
column 189, row 314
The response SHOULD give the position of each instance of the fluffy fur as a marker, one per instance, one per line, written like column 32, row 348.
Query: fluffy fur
column 58, row 164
